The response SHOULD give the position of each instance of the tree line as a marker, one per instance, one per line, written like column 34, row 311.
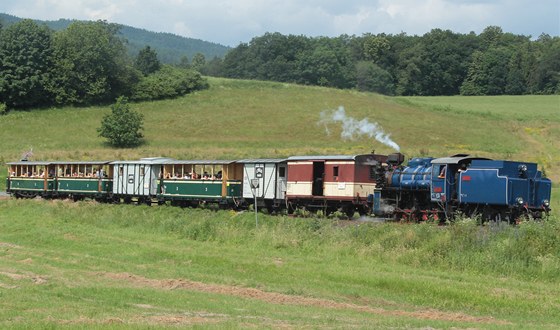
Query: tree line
column 439, row 62
column 84, row 64
column 87, row 63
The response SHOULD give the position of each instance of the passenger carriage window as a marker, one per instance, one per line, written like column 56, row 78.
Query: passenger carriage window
column 282, row 172
column 335, row 171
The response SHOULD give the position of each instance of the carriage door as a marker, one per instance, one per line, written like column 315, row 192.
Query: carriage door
column 133, row 182
column 133, row 178
column 281, row 182
column 318, row 178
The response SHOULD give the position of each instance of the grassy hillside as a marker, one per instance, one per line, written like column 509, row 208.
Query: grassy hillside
column 236, row 119
column 86, row 264
column 530, row 122
column 239, row 118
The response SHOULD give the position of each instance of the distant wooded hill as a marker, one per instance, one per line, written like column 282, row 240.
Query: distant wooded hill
column 169, row 47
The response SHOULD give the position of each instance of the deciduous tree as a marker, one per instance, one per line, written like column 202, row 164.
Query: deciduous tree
column 147, row 61
column 90, row 64
column 26, row 56
column 122, row 127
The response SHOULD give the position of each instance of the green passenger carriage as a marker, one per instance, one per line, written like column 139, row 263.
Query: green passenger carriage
column 189, row 183
column 30, row 179
column 78, row 180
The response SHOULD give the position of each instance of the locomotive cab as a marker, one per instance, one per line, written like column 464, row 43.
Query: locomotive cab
column 447, row 174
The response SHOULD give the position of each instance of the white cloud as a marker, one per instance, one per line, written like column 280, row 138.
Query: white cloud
column 416, row 17
column 232, row 21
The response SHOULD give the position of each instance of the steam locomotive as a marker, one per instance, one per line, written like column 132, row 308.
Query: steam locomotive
column 369, row 184
column 439, row 188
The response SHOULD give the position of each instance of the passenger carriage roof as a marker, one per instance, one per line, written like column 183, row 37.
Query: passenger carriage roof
column 198, row 162
column 365, row 159
column 330, row 157
column 27, row 162
column 143, row 161
column 263, row 161
column 97, row 162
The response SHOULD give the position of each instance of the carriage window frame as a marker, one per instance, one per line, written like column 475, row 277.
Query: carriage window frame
column 282, row 171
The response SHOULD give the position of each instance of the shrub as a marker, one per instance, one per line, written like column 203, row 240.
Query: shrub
column 168, row 82
column 3, row 109
column 122, row 127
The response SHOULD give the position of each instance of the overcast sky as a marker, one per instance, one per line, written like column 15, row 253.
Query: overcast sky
column 235, row 21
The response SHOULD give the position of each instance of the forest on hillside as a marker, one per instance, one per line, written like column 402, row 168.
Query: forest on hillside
column 84, row 64
column 171, row 48
column 440, row 62
column 89, row 63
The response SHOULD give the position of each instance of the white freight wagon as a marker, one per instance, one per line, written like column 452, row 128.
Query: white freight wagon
column 267, row 179
column 138, row 178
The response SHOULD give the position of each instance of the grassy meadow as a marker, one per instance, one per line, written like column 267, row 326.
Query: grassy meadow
column 120, row 266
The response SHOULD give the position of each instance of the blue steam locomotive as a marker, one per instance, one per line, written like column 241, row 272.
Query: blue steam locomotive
column 438, row 188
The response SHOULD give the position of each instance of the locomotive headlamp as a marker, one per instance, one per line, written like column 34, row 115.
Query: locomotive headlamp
column 519, row 200
column 546, row 203
column 522, row 170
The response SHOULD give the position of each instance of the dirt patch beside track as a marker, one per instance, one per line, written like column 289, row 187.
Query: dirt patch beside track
column 285, row 299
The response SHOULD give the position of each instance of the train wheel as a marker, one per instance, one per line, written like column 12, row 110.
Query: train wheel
column 363, row 210
column 269, row 207
column 291, row 208
column 330, row 210
column 349, row 210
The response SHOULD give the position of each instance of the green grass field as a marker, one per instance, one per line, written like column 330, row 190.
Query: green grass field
column 90, row 265
column 86, row 264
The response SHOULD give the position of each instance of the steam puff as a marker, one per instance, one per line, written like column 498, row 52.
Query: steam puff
column 352, row 128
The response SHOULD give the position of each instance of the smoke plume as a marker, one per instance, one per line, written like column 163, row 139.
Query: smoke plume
column 352, row 128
